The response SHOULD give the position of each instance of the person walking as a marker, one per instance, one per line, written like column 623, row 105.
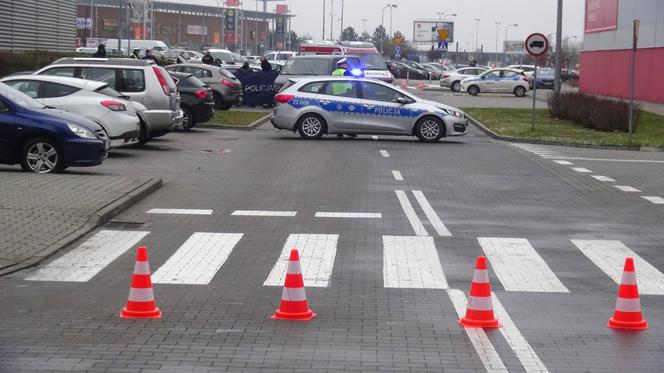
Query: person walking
column 134, row 54
column 208, row 59
column 245, row 66
column 265, row 64
column 101, row 51
column 149, row 55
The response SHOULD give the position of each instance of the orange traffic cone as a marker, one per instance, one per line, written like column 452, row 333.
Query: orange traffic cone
column 479, row 313
column 627, row 314
column 420, row 85
column 141, row 304
column 294, row 305
column 404, row 84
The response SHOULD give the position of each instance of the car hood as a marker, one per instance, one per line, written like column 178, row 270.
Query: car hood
column 437, row 105
column 65, row 117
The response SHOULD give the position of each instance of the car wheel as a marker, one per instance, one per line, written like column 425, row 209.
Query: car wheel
column 227, row 106
column 143, row 135
column 519, row 91
column 311, row 126
column 187, row 120
column 456, row 86
column 42, row 155
column 429, row 129
column 218, row 101
column 473, row 90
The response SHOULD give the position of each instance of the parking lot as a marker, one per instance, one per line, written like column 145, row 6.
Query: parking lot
column 388, row 230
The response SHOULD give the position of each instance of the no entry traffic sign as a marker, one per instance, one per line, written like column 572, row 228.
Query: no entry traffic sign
column 537, row 44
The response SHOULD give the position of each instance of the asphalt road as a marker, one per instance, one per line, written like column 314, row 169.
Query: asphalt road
column 386, row 260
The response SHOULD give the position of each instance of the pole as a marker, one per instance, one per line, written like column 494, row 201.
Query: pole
column 120, row 11
column 477, row 31
column 324, row 1
column 497, row 29
column 635, row 43
column 332, row 20
column 532, row 115
column 559, row 39
column 391, row 8
column 382, row 23
column 342, row 19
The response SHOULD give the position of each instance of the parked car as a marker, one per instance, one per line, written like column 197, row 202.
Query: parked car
column 84, row 97
column 226, row 89
column 141, row 80
column 452, row 79
column 528, row 70
column 109, row 50
column 316, row 106
column 222, row 56
column 197, row 100
column 233, row 69
column 497, row 81
column 418, row 66
column 402, row 71
column 311, row 65
column 545, row 77
column 280, row 55
column 45, row 140
column 183, row 56
column 569, row 74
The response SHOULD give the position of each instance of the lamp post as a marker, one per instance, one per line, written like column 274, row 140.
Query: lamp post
column 382, row 24
column 364, row 24
column 449, row 15
column 477, row 32
column 508, row 27
column 332, row 20
column 440, row 15
column 559, row 37
column 324, row 1
column 342, row 19
column 497, row 29
column 391, row 8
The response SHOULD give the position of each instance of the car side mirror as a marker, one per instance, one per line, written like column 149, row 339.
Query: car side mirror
column 402, row 100
column 484, row 77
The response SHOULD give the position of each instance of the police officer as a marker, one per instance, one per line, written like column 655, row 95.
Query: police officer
column 342, row 68
column 101, row 51
column 208, row 59
column 339, row 88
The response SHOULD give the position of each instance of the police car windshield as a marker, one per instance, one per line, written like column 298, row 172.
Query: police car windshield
column 372, row 61
column 306, row 66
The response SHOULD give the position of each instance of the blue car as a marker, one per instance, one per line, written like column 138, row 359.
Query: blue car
column 45, row 140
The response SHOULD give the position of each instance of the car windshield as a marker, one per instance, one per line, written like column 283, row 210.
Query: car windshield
column 174, row 53
column 545, row 71
column 372, row 61
column 19, row 97
column 306, row 66
column 223, row 56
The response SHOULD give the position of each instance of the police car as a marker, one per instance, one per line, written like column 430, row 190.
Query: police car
column 349, row 105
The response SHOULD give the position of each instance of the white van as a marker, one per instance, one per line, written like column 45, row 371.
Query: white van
column 131, row 44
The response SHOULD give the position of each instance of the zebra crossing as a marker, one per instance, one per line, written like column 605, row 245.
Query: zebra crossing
column 408, row 262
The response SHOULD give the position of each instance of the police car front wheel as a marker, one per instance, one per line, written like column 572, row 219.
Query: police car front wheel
column 311, row 126
column 429, row 129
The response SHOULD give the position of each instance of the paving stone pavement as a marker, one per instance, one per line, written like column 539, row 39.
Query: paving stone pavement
column 38, row 211
column 478, row 187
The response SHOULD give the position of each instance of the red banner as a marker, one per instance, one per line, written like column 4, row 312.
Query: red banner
column 601, row 15
column 232, row 2
column 282, row 8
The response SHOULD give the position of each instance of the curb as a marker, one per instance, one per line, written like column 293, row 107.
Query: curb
column 249, row 127
column 99, row 217
column 496, row 136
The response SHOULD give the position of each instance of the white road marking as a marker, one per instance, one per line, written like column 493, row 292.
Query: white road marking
column 615, row 160
column 317, row 252
column 374, row 137
column 481, row 343
column 179, row 211
column 397, row 175
column 526, row 355
column 602, row 178
column 198, row 259
column 361, row 215
column 519, row 267
column 654, row 199
column 581, row 170
column 89, row 258
column 564, row 163
column 410, row 214
column 384, row 153
column 263, row 213
column 435, row 221
column 627, row 188
column 609, row 256
column 412, row 262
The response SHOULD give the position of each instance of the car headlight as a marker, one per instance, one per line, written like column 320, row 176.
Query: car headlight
column 454, row 113
column 81, row 132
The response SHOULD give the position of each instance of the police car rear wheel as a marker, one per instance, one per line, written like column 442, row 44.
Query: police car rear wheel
column 473, row 90
column 429, row 129
column 311, row 126
column 519, row 91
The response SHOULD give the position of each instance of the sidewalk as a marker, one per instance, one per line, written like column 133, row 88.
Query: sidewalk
column 40, row 214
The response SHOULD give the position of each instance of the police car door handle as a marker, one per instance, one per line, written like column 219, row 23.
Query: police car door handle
column 369, row 106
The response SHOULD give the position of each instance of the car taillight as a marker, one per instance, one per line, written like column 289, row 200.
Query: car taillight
column 524, row 78
column 284, row 99
column 446, row 76
column 203, row 95
column 162, row 81
column 114, row 105
column 228, row 83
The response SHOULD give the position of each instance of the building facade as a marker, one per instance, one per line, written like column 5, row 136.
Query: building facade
column 38, row 24
column 605, row 61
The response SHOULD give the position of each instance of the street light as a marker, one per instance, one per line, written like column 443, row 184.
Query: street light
column 364, row 24
column 382, row 24
column 507, row 28
column 477, row 32
column 392, row 7
column 440, row 15
column 497, row 29
column 449, row 15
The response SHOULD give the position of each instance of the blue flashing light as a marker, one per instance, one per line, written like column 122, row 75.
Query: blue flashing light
column 357, row 72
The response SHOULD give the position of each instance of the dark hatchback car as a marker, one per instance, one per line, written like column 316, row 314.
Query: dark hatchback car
column 402, row 71
column 197, row 99
column 45, row 140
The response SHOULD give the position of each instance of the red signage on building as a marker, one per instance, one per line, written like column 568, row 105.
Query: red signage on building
column 232, row 2
column 601, row 15
column 229, row 36
column 282, row 8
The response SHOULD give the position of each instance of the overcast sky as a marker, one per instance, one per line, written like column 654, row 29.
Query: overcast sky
column 531, row 15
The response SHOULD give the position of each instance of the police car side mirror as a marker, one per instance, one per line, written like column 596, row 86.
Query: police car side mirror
column 402, row 100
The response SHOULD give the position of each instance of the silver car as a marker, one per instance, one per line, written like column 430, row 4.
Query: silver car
column 345, row 105
column 226, row 88
column 452, row 79
column 141, row 80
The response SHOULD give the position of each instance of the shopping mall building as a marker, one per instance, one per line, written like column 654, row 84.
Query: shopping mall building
column 607, row 47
